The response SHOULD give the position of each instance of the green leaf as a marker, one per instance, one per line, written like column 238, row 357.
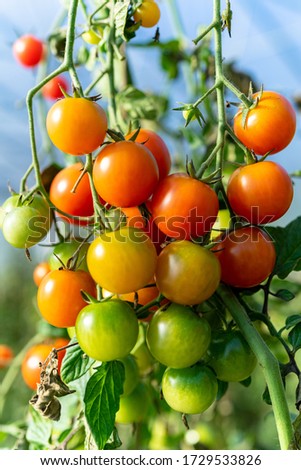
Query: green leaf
column 222, row 388
column 114, row 441
column 294, row 337
column 288, row 247
column 75, row 364
column 284, row 294
column 102, row 400
column 246, row 382
column 120, row 14
column 266, row 396
column 39, row 429
column 139, row 105
column 292, row 320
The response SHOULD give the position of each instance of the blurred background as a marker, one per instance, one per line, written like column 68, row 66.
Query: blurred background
column 264, row 45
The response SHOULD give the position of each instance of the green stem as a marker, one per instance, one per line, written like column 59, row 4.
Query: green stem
column 206, row 31
column 267, row 361
column 240, row 95
column 98, row 210
column 94, row 83
column 112, row 107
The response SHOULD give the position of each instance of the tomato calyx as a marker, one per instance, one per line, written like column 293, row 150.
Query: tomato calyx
column 116, row 136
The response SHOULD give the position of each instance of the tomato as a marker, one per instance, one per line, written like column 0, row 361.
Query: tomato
column 122, row 261
column 37, row 355
column 221, row 224
column 107, row 330
column 48, row 174
column 6, row 356
column 8, row 205
column 184, row 207
column 76, row 125
column 148, row 13
column 134, row 218
column 157, row 146
column 269, row 127
column 59, row 296
column 78, row 203
column 93, row 35
column 187, row 273
column 52, row 89
column 125, row 174
column 131, row 374
column 189, row 390
column 231, row 357
column 23, row 227
column 261, row 192
column 64, row 251
column 37, row 202
column 247, row 257
column 144, row 359
column 134, row 407
column 28, row 50
column 40, row 272
column 178, row 337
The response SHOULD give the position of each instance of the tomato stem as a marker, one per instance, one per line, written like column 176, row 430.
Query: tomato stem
column 267, row 361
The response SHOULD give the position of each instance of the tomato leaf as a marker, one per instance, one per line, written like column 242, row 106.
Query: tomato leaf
column 75, row 364
column 114, row 441
column 39, row 429
column 284, row 294
column 222, row 388
column 288, row 247
column 246, row 382
column 120, row 16
column 102, row 400
column 294, row 337
column 139, row 105
column 266, row 396
column 292, row 320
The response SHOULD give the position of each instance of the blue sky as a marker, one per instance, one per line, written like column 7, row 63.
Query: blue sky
column 265, row 42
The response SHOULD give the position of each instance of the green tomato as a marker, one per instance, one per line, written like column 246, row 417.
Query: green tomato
column 190, row 390
column 24, row 227
column 133, row 408
column 107, row 330
column 177, row 337
column 131, row 374
column 41, row 205
column 222, row 222
column 93, row 35
column 8, row 205
column 65, row 251
column 231, row 357
column 144, row 359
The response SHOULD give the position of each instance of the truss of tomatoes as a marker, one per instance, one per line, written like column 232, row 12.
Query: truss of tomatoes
column 156, row 246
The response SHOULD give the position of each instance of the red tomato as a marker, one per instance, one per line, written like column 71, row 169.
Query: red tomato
column 269, row 127
column 184, row 207
column 125, row 174
column 157, row 146
column 59, row 296
column 52, row 89
column 78, row 203
column 76, row 125
column 37, row 355
column 247, row 257
column 28, row 50
column 6, row 356
column 40, row 272
column 261, row 192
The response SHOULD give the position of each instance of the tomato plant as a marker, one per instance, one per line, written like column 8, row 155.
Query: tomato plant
column 53, row 89
column 125, row 174
column 186, row 273
column 269, row 126
column 177, row 337
column 184, row 207
column 148, row 14
column 100, row 330
column 247, row 257
column 76, row 125
column 55, row 306
column 28, row 50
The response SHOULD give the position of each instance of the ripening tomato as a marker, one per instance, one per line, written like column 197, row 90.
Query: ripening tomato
column 186, row 273
column 247, row 257
column 59, row 296
column 37, row 355
column 122, row 261
column 76, row 125
column 157, row 146
column 79, row 202
column 134, row 218
column 189, row 390
column 148, row 13
column 125, row 174
column 40, row 272
column 107, row 330
column 231, row 357
column 178, row 337
column 184, row 207
column 270, row 125
column 28, row 50
column 93, row 35
column 6, row 355
column 134, row 407
column 261, row 192
column 53, row 89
